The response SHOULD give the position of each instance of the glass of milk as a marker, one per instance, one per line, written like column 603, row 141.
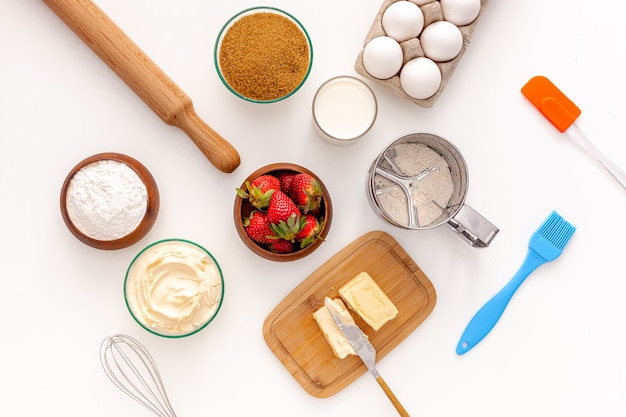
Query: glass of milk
column 344, row 110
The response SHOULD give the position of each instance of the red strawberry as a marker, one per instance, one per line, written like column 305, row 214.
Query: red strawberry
column 284, row 216
column 259, row 192
column 318, row 212
column 306, row 192
column 309, row 232
column 258, row 228
column 281, row 246
column 285, row 178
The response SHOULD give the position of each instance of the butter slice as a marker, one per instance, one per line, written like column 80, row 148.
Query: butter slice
column 340, row 346
column 365, row 297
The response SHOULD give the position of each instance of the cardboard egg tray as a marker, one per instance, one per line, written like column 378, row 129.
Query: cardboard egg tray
column 412, row 49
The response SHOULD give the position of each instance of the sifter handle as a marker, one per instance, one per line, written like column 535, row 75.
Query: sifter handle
column 144, row 77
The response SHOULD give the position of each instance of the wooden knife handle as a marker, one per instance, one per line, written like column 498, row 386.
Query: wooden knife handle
column 144, row 77
column 392, row 397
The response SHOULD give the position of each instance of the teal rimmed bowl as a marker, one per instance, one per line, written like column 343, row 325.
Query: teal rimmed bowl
column 263, row 54
column 174, row 288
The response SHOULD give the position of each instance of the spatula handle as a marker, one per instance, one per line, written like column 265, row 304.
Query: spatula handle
column 392, row 397
column 578, row 136
column 144, row 77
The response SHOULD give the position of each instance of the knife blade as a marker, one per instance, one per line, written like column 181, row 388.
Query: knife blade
column 363, row 348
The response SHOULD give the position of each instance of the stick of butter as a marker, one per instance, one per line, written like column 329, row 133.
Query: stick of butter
column 365, row 297
column 340, row 346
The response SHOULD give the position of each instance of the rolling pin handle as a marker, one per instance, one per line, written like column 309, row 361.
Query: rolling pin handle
column 217, row 150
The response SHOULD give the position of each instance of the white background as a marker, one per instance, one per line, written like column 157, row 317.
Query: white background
column 558, row 349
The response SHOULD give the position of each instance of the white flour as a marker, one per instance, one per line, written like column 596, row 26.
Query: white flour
column 106, row 200
column 430, row 194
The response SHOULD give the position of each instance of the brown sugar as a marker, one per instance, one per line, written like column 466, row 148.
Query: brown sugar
column 264, row 56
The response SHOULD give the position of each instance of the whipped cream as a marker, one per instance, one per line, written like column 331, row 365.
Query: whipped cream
column 174, row 287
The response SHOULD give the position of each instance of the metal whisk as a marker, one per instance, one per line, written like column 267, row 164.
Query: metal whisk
column 130, row 367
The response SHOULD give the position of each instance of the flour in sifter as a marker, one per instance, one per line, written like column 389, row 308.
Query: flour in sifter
column 429, row 195
column 106, row 200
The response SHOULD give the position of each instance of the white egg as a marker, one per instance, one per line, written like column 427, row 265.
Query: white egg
column 441, row 41
column 403, row 20
column 460, row 12
column 420, row 78
column 382, row 57
column 422, row 2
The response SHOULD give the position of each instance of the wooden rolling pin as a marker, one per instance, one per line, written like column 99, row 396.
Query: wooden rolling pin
column 144, row 77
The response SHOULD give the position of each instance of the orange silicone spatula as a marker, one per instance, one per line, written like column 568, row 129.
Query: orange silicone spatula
column 562, row 113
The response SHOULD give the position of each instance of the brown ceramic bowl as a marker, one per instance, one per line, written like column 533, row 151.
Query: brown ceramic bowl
column 145, row 224
column 243, row 208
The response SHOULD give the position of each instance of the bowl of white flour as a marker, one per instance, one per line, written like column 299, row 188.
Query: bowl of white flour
column 109, row 201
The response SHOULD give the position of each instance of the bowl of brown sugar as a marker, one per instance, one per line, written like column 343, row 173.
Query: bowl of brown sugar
column 263, row 54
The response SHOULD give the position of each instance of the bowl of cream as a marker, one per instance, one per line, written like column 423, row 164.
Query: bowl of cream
column 174, row 288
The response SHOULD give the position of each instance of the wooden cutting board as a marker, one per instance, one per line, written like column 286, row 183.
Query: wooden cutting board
column 293, row 335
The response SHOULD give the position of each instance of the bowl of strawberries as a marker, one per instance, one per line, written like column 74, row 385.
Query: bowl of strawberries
column 282, row 212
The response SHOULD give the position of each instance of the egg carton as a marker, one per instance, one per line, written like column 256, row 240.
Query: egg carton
column 412, row 49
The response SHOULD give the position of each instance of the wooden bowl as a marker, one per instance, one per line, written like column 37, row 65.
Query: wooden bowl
column 148, row 219
column 243, row 208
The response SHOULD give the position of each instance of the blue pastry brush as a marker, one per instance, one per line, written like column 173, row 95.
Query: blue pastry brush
column 545, row 245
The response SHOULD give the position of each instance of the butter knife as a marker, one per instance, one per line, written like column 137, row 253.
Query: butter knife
column 363, row 348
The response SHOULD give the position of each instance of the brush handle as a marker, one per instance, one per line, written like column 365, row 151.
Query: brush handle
column 489, row 314
column 144, row 77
